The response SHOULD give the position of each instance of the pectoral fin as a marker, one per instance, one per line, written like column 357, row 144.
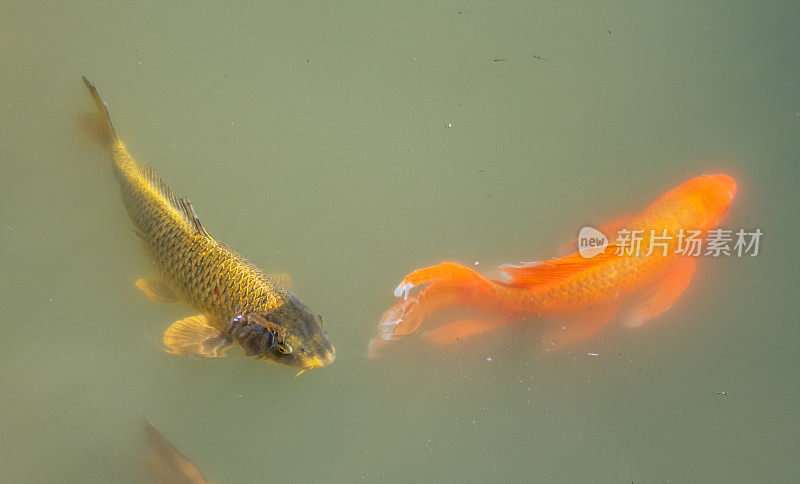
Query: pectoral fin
column 157, row 290
column 653, row 301
column 283, row 279
column 579, row 327
column 195, row 336
column 456, row 331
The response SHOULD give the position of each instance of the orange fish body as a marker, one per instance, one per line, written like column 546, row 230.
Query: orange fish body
column 636, row 281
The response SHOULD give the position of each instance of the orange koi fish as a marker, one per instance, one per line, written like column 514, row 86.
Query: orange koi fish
column 633, row 281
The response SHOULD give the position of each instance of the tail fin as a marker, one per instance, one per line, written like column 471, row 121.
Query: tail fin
column 444, row 274
column 111, row 135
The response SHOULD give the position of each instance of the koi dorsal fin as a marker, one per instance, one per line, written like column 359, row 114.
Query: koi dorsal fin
column 610, row 230
column 188, row 210
column 530, row 274
column 182, row 206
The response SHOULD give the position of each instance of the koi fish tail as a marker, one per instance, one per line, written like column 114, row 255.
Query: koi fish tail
column 448, row 285
column 407, row 315
column 387, row 324
column 444, row 274
column 430, row 300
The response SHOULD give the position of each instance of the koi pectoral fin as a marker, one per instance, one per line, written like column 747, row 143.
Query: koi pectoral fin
column 157, row 290
column 195, row 336
column 456, row 331
column 653, row 301
column 579, row 327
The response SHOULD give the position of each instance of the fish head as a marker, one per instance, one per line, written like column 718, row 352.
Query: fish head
column 711, row 197
column 715, row 193
column 290, row 334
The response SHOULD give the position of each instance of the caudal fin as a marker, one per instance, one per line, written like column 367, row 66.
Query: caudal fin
column 109, row 134
column 444, row 274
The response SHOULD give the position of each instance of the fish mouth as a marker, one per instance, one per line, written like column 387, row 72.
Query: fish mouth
column 319, row 361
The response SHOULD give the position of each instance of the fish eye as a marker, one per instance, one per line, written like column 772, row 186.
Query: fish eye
column 284, row 348
column 303, row 349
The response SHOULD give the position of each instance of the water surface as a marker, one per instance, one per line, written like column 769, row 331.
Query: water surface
column 349, row 143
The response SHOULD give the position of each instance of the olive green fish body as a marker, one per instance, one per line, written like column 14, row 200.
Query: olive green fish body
column 237, row 301
column 210, row 276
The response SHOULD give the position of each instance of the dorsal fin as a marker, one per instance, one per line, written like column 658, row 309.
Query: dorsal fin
column 535, row 273
column 610, row 230
column 188, row 210
column 183, row 206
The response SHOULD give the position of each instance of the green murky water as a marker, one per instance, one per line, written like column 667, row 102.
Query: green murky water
column 313, row 139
